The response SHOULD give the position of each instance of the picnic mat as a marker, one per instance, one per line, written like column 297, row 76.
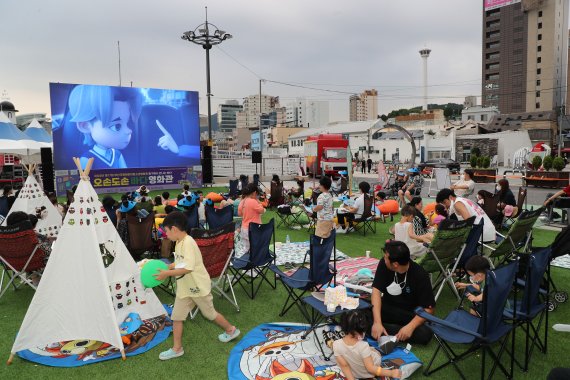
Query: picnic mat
column 347, row 268
column 561, row 262
column 278, row 351
column 80, row 352
column 293, row 252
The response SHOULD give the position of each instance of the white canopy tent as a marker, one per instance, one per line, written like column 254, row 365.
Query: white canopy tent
column 14, row 141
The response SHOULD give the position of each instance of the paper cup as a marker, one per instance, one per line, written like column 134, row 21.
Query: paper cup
column 331, row 307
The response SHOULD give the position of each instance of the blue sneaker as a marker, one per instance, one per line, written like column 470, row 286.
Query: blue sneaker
column 170, row 354
column 225, row 337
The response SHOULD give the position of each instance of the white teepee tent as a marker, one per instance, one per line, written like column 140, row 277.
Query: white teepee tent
column 32, row 200
column 90, row 284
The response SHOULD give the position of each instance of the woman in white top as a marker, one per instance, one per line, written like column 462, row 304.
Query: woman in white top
column 465, row 186
column 464, row 208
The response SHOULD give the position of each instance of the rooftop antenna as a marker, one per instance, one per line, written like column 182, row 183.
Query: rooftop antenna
column 119, row 50
column 5, row 95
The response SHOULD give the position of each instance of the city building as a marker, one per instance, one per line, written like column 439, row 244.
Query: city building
column 470, row 101
column 249, row 116
column 541, row 126
column 479, row 114
column 307, row 113
column 364, row 107
column 227, row 116
column 420, row 120
column 525, row 55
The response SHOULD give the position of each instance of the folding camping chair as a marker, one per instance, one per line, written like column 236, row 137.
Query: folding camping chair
column 306, row 279
column 560, row 247
column 490, row 204
column 141, row 235
column 517, row 240
column 253, row 265
column 217, row 248
column 460, row 327
column 289, row 215
column 521, row 198
column 473, row 246
column 233, row 188
column 276, row 194
column 218, row 217
column 20, row 253
column 367, row 222
column 192, row 218
column 532, row 303
column 444, row 253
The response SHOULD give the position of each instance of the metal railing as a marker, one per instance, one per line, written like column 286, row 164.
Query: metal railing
column 234, row 167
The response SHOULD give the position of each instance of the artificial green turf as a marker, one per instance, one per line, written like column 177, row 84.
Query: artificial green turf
column 206, row 358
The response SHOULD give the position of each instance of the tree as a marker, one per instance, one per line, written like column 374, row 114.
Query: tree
column 473, row 161
column 476, row 152
column 479, row 162
column 486, row 162
column 536, row 162
column 384, row 117
column 558, row 164
column 547, row 162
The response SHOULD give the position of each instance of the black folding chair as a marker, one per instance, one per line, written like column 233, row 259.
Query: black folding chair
column 288, row 217
column 192, row 218
column 233, row 188
column 254, row 265
column 218, row 217
column 478, row 333
column 533, row 304
column 367, row 222
column 305, row 279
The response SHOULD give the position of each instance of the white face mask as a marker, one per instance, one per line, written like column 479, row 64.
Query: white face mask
column 498, row 188
column 395, row 288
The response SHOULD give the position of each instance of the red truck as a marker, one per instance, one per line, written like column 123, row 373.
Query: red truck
column 325, row 153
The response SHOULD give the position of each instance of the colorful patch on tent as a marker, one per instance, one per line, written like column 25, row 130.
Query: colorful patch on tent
column 81, row 352
column 279, row 351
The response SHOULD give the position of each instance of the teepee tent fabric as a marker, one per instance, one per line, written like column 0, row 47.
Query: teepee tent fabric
column 32, row 200
column 35, row 131
column 90, row 283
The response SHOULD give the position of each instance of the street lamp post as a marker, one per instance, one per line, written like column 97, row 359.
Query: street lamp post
column 201, row 36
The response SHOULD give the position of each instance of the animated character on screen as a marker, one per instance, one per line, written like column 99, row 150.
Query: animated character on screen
column 106, row 117
column 167, row 142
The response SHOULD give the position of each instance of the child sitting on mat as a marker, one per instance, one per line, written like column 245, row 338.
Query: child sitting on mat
column 193, row 285
column 476, row 267
column 354, row 355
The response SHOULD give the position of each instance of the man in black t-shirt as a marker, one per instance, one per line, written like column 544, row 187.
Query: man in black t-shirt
column 399, row 287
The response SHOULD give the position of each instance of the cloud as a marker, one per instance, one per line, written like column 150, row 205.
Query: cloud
column 347, row 46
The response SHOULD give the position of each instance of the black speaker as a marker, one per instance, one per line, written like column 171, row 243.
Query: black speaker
column 47, row 170
column 256, row 157
column 207, row 169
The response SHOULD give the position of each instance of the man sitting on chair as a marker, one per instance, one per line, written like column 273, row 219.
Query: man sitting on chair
column 399, row 287
column 348, row 214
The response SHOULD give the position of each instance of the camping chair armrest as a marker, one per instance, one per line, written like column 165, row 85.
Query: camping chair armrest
column 438, row 321
column 489, row 247
column 305, row 258
column 500, row 234
column 281, row 274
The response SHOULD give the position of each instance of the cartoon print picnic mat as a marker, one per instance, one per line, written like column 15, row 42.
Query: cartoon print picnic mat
column 348, row 268
column 278, row 351
column 81, row 352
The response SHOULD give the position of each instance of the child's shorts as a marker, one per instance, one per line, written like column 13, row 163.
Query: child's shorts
column 183, row 306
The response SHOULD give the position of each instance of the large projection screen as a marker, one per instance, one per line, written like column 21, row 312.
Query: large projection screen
column 137, row 136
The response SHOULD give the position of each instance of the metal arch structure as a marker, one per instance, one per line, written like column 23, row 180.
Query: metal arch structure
column 404, row 132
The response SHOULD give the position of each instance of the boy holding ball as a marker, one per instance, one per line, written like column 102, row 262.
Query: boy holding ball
column 193, row 285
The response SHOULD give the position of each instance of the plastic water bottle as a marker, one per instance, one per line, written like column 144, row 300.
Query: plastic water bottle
column 287, row 239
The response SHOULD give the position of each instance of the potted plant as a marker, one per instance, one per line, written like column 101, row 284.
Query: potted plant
column 473, row 161
column 547, row 178
column 483, row 173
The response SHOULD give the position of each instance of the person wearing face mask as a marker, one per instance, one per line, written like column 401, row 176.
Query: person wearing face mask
column 506, row 198
column 464, row 209
column 400, row 286
column 476, row 267
column 465, row 186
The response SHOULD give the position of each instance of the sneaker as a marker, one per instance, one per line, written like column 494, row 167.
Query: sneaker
column 170, row 354
column 225, row 337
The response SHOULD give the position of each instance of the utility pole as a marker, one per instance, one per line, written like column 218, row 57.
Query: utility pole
column 260, row 133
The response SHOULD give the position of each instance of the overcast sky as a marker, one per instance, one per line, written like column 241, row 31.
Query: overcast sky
column 331, row 44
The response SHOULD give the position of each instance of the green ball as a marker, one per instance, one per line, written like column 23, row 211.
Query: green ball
column 149, row 270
